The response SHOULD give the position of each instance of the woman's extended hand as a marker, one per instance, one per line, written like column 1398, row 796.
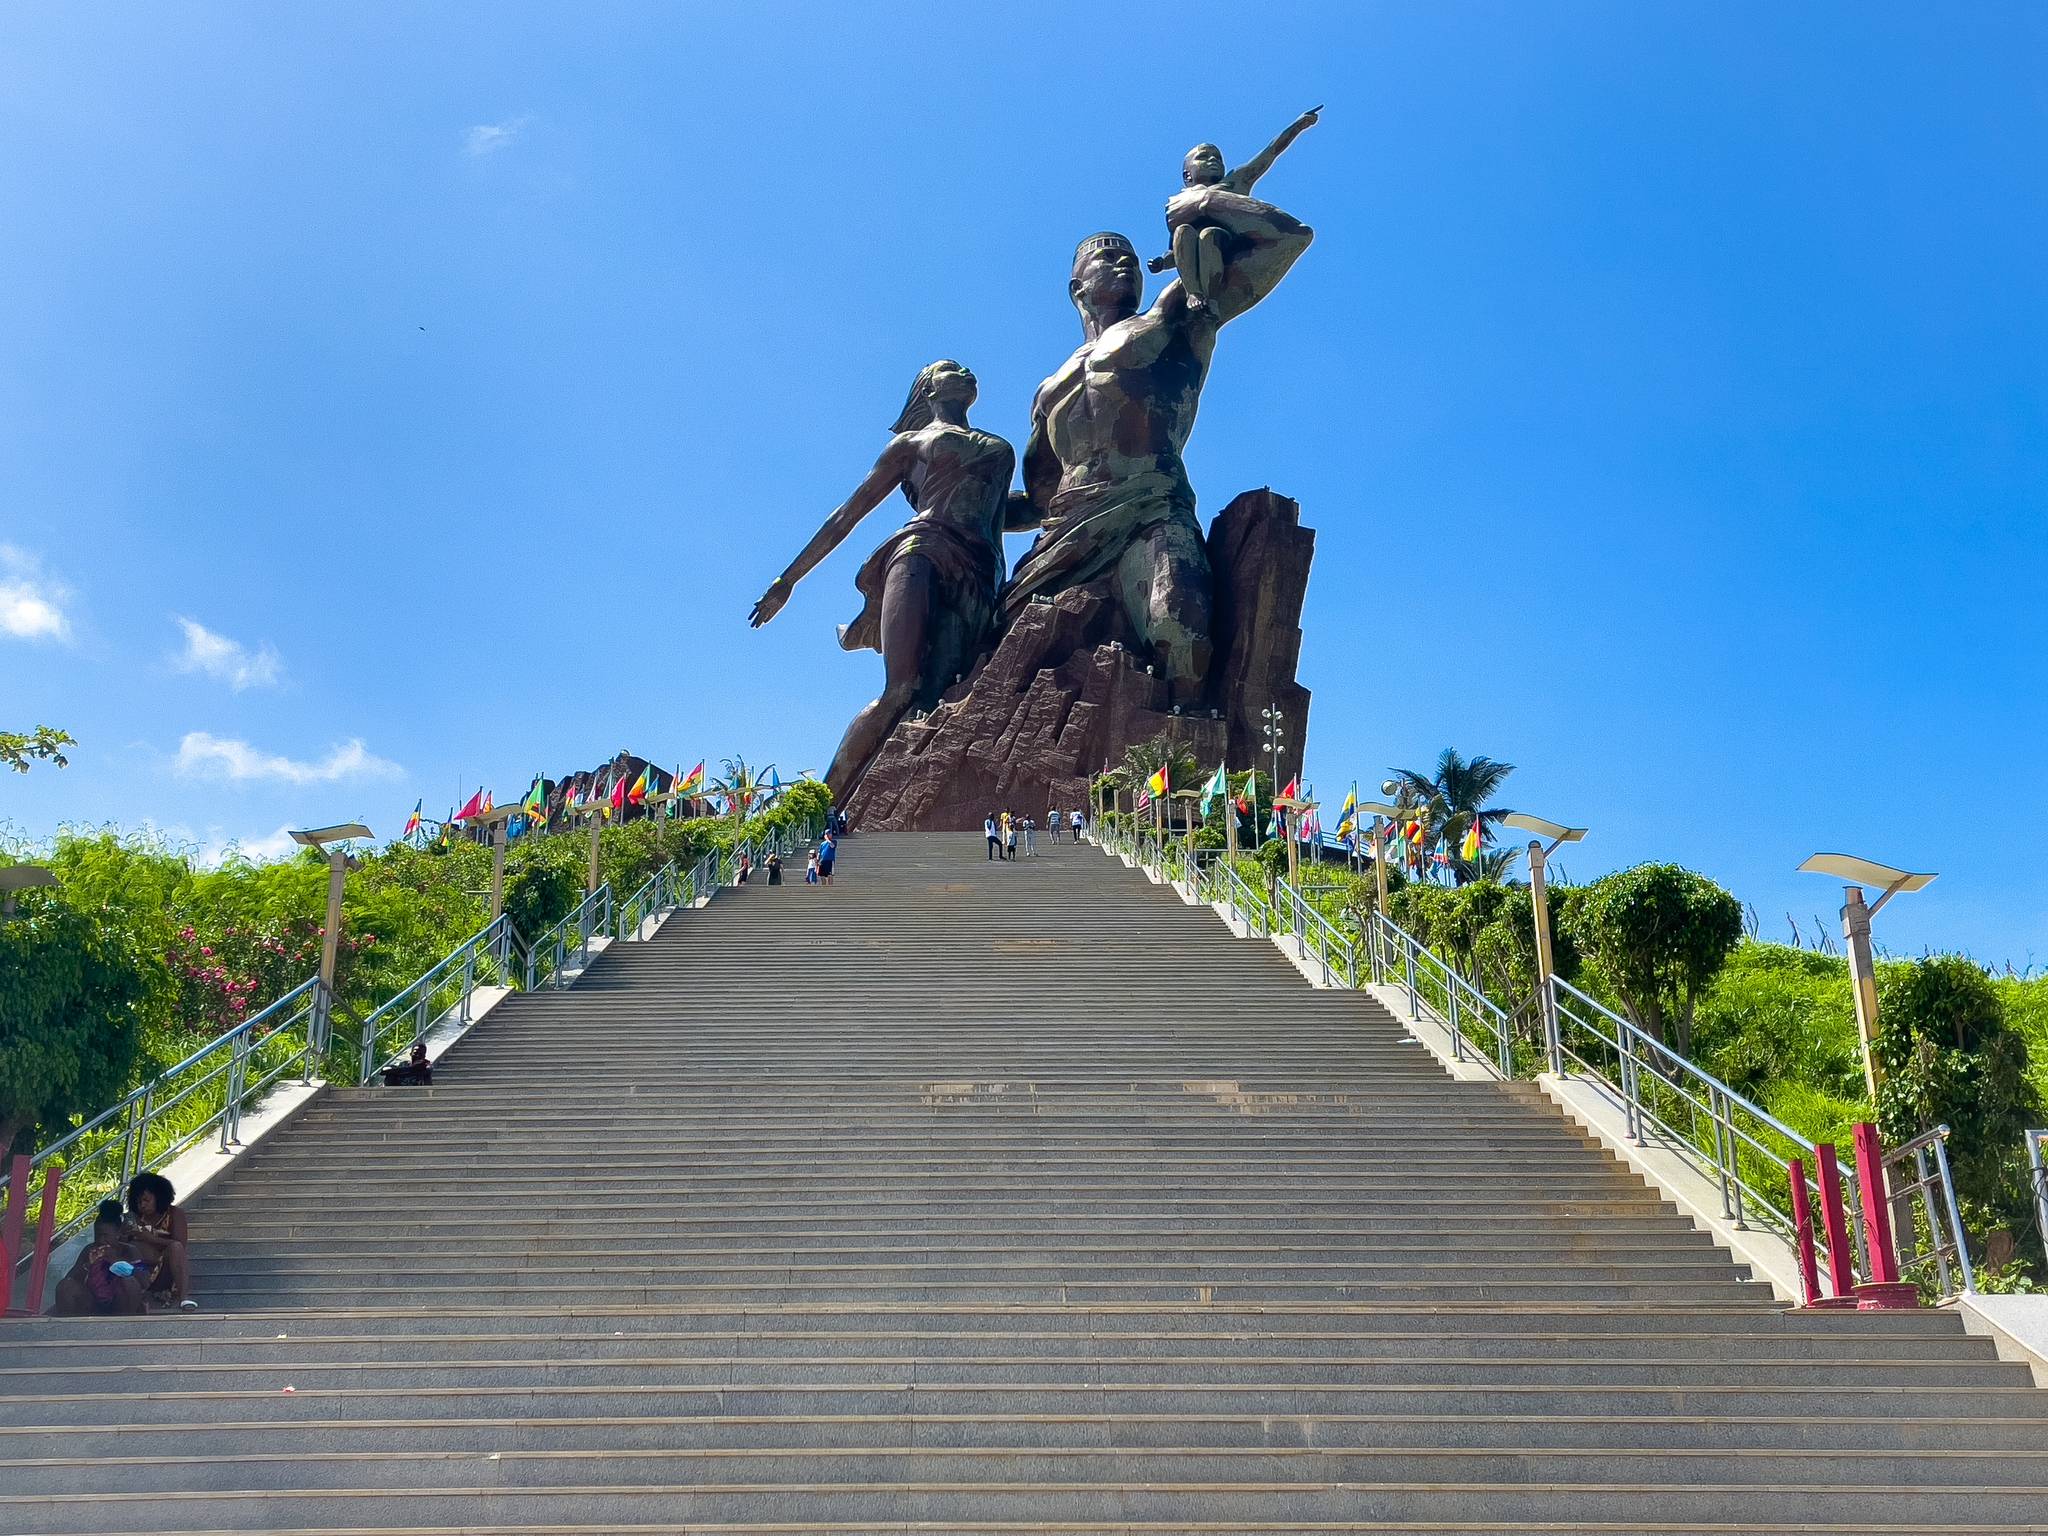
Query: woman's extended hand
column 770, row 604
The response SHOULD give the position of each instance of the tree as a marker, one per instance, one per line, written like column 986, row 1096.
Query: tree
column 70, row 1027
column 1450, row 800
column 1659, row 935
column 1950, row 1057
column 43, row 744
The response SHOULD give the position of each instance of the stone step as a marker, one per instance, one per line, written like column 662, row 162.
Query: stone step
column 905, row 1431
column 116, row 1404
column 491, row 1497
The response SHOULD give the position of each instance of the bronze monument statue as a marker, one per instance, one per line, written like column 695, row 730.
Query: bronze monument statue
column 1103, row 480
column 1122, row 621
column 933, row 588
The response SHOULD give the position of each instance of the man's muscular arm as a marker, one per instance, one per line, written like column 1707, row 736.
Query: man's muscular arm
column 1026, row 509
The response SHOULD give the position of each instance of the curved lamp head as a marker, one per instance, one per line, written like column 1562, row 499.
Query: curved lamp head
column 319, row 837
column 1521, row 821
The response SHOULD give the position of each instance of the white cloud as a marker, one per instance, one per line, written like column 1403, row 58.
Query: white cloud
column 267, row 849
column 489, row 138
column 228, row 660
column 31, row 601
column 202, row 755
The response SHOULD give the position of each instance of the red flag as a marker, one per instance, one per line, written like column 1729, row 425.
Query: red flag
column 473, row 807
column 619, row 794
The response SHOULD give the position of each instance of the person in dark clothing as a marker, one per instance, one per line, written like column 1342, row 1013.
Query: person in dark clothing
column 414, row 1069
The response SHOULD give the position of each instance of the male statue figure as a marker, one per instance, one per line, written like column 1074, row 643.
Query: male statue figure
column 1103, row 480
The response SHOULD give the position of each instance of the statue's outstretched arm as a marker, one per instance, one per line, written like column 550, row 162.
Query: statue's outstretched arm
column 887, row 474
column 1246, row 175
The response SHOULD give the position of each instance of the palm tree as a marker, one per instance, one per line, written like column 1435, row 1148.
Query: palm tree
column 1450, row 800
column 1146, row 759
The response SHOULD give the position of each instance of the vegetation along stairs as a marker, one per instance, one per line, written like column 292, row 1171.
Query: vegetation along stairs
column 979, row 1197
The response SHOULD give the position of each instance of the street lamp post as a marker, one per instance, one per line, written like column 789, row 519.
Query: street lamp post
column 1276, row 740
column 1856, row 918
column 1539, row 898
column 333, row 842
column 1382, row 815
column 500, row 822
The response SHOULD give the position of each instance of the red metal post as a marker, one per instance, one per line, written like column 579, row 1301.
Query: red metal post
column 1802, row 1234
column 1884, row 1291
column 11, row 1219
column 46, row 1231
column 1834, row 1223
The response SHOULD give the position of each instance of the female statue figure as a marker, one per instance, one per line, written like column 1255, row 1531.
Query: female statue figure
column 934, row 588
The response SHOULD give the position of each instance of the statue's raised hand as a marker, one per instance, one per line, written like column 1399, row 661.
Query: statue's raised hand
column 770, row 604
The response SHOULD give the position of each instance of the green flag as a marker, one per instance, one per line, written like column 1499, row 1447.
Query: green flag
column 1215, row 787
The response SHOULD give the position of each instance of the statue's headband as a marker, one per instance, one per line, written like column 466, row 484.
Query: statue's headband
column 1106, row 241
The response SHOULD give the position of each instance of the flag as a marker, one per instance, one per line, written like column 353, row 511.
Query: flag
column 487, row 803
column 1220, row 785
column 1144, row 799
column 1347, row 813
column 474, row 806
column 1160, row 782
column 619, row 793
column 1292, row 791
column 639, row 790
column 1245, row 793
column 1470, row 850
column 412, row 822
column 536, row 800
column 692, row 782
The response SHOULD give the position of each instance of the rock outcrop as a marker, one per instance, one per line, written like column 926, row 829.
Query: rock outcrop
column 1063, row 696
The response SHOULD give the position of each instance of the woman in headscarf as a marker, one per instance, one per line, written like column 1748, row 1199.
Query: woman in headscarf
column 933, row 589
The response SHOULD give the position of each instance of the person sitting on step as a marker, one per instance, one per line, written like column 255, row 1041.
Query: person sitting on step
column 104, row 1278
column 156, row 1225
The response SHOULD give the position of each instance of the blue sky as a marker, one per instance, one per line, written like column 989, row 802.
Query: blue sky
column 1668, row 386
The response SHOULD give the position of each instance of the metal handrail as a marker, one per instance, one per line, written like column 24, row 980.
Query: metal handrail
column 1314, row 934
column 1438, row 988
column 1935, row 1189
column 658, row 893
column 235, row 1067
column 1658, row 1086
column 2037, row 1169
column 488, row 951
column 548, row 956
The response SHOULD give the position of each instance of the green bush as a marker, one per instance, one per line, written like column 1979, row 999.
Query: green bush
column 1658, row 935
column 70, row 1016
column 1948, row 1057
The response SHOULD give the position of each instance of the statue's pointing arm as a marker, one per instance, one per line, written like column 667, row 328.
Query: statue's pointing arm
column 1246, row 176
column 885, row 477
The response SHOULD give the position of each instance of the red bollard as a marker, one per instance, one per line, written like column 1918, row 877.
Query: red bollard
column 1884, row 1291
column 46, row 1230
column 1834, row 1224
column 1802, row 1234
column 11, row 1218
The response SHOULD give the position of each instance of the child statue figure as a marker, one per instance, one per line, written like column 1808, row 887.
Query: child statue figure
column 1198, row 250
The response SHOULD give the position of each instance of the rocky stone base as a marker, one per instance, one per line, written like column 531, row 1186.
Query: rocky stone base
column 1064, row 696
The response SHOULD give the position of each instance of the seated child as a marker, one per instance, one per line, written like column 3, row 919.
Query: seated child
column 1197, row 253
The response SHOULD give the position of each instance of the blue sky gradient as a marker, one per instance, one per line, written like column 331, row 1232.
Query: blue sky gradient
column 1668, row 386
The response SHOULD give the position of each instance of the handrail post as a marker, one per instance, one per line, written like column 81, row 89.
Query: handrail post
column 46, row 1231
column 1802, row 1234
column 1955, row 1216
column 1883, row 1291
column 1546, row 994
column 13, row 1219
column 1834, row 1219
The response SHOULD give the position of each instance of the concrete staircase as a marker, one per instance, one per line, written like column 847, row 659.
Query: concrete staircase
column 972, row 1197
